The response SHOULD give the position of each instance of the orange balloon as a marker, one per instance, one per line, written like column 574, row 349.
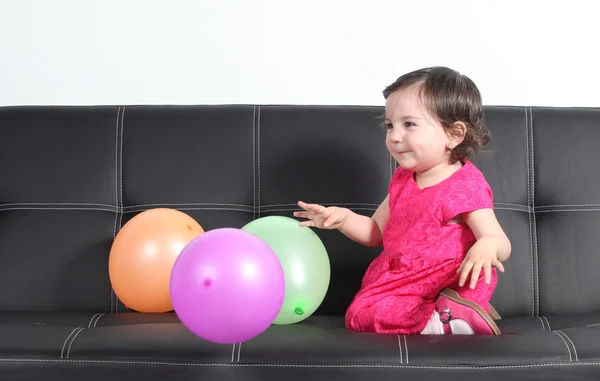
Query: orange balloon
column 143, row 254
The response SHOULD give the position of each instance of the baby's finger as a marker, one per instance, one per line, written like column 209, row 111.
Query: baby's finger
column 315, row 208
column 499, row 265
column 465, row 272
column 331, row 219
column 301, row 214
column 307, row 223
column 475, row 275
column 311, row 207
column 488, row 273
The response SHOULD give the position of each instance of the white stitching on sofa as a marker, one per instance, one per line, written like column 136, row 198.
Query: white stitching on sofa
column 92, row 319
column 327, row 204
column 189, row 203
column 512, row 204
column 513, row 209
column 593, row 325
column 113, row 211
column 194, row 208
column 120, row 201
column 57, row 204
column 293, row 210
column 128, row 209
column 406, row 348
column 233, row 352
column 51, row 208
column 563, row 339
column 537, row 264
column 568, row 210
column 572, row 343
column 543, row 326
column 239, row 352
column 112, row 292
column 529, row 213
column 400, row 348
column 258, row 163
column 271, row 365
column 116, row 179
column 98, row 319
column 72, row 341
column 569, row 205
column 114, row 208
column 254, row 161
column 65, row 342
column 547, row 322
column 121, row 173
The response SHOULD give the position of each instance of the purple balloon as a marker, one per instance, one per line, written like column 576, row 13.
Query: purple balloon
column 227, row 286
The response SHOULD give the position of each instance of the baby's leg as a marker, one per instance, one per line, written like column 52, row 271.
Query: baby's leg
column 392, row 314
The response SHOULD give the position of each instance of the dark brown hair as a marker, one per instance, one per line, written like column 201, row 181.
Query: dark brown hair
column 450, row 97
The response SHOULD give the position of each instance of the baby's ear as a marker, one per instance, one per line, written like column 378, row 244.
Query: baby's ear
column 457, row 132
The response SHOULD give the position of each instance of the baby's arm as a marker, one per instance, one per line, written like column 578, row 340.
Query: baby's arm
column 491, row 248
column 485, row 226
column 365, row 230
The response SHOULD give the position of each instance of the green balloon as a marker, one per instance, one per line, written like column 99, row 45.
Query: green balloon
column 305, row 264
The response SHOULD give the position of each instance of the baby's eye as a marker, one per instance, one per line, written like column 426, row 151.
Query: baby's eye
column 408, row 124
column 389, row 126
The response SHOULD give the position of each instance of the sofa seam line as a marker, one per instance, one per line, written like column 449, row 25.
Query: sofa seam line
column 72, row 341
column 112, row 291
column 65, row 342
column 400, row 349
column 543, row 326
column 566, row 344
column 547, row 322
column 98, row 319
column 290, row 365
column 92, row 319
column 406, row 348
column 258, row 162
column 120, row 209
column 535, row 237
column 529, row 214
column 254, row 162
column 572, row 344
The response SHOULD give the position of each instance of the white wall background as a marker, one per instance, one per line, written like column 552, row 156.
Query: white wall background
column 79, row 52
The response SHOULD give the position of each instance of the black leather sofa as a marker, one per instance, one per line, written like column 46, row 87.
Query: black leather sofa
column 72, row 176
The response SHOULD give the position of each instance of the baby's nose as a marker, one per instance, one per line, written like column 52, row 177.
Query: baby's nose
column 396, row 136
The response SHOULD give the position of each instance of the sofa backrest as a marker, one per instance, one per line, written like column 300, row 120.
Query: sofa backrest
column 72, row 176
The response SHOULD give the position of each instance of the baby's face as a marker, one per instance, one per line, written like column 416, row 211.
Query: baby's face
column 414, row 138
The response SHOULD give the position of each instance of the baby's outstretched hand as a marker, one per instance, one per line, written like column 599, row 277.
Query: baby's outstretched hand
column 482, row 256
column 320, row 216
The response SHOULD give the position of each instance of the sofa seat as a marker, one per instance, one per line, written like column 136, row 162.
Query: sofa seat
column 110, row 342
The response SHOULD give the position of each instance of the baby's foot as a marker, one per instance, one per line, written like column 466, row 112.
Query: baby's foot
column 462, row 316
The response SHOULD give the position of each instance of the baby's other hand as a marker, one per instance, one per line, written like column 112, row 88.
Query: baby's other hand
column 481, row 256
column 320, row 216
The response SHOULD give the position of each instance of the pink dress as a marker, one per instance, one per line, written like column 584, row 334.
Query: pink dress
column 422, row 249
